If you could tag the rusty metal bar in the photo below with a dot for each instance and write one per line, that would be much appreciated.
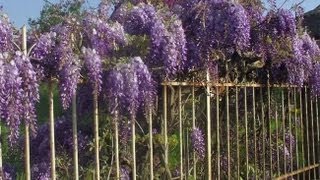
(299, 171)
(237, 130)
(277, 141)
(204, 84)
(270, 129)
(283, 131)
(165, 124)
(193, 127)
(312, 136)
(263, 134)
(116, 122)
(151, 143)
(228, 132)
(218, 132)
(289, 130)
(307, 127)
(134, 158)
(1, 164)
(302, 130)
(318, 134)
(254, 130)
(209, 174)
(180, 133)
(246, 129)
(296, 126)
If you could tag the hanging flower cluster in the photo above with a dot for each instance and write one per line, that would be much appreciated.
(19, 89)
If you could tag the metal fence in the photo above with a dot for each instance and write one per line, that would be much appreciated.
(252, 131)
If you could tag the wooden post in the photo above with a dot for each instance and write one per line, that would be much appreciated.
(75, 137)
(96, 134)
(27, 134)
(51, 124)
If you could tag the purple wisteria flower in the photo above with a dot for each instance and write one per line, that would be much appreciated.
(228, 25)
(314, 80)
(124, 173)
(93, 65)
(282, 23)
(11, 106)
(6, 33)
(115, 90)
(198, 144)
(30, 89)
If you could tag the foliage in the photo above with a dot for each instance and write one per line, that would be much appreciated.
(123, 50)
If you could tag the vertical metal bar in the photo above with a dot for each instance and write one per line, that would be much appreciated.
(1, 167)
(27, 134)
(312, 136)
(185, 147)
(254, 130)
(270, 129)
(134, 159)
(307, 127)
(318, 135)
(180, 135)
(237, 125)
(218, 132)
(246, 129)
(75, 137)
(193, 127)
(296, 126)
(263, 135)
(52, 142)
(290, 132)
(228, 132)
(303, 163)
(208, 128)
(96, 134)
(151, 143)
(116, 124)
(277, 142)
(283, 132)
(165, 128)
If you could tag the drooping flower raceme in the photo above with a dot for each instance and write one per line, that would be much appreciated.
(115, 90)
(167, 42)
(178, 34)
(69, 76)
(42, 53)
(228, 25)
(11, 107)
(130, 90)
(281, 23)
(44, 46)
(6, 34)
(197, 139)
(145, 82)
(66, 63)
(314, 80)
(103, 36)
(299, 65)
(30, 89)
(310, 47)
(93, 64)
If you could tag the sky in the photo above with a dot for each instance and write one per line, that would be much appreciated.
(19, 11)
